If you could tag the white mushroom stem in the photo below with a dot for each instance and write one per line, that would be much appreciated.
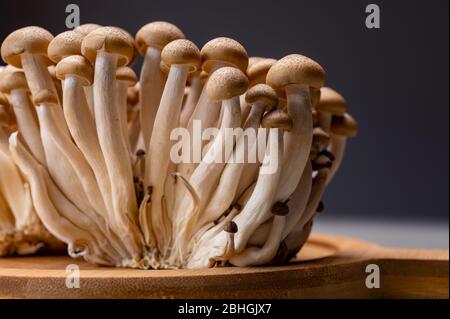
(297, 204)
(230, 179)
(298, 140)
(122, 89)
(27, 123)
(78, 239)
(118, 162)
(206, 175)
(152, 82)
(337, 147)
(134, 132)
(158, 155)
(191, 101)
(89, 94)
(255, 256)
(325, 120)
(258, 209)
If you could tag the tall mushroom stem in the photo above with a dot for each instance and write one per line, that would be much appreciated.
(338, 145)
(191, 101)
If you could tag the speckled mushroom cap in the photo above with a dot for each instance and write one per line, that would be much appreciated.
(277, 119)
(65, 44)
(34, 40)
(157, 35)
(320, 137)
(264, 94)
(331, 102)
(75, 65)
(110, 39)
(344, 125)
(12, 79)
(295, 69)
(126, 74)
(257, 71)
(181, 51)
(224, 50)
(87, 28)
(225, 83)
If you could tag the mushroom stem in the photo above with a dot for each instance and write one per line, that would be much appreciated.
(122, 89)
(111, 140)
(191, 101)
(89, 94)
(338, 145)
(152, 85)
(27, 123)
(158, 155)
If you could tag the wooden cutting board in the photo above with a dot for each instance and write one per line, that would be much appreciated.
(327, 267)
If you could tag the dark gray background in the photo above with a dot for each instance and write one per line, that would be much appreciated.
(395, 80)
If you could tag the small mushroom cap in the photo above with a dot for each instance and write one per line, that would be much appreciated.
(226, 51)
(45, 97)
(253, 59)
(231, 227)
(133, 95)
(331, 102)
(277, 119)
(225, 83)
(75, 65)
(322, 162)
(295, 69)
(12, 79)
(87, 28)
(264, 94)
(181, 51)
(126, 74)
(280, 209)
(320, 137)
(34, 40)
(157, 35)
(344, 125)
(110, 39)
(257, 72)
(65, 44)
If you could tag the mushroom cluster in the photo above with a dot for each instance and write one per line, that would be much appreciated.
(92, 146)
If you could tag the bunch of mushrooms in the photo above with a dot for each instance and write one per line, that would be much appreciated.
(95, 150)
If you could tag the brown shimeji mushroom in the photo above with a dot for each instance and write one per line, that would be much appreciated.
(342, 127)
(150, 40)
(330, 103)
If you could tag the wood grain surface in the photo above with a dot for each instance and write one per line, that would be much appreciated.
(327, 267)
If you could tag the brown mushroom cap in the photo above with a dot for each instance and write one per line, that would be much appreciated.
(65, 44)
(295, 69)
(224, 50)
(45, 96)
(257, 72)
(12, 79)
(126, 74)
(331, 102)
(320, 137)
(277, 119)
(110, 39)
(253, 59)
(157, 35)
(34, 40)
(264, 94)
(133, 95)
(181, 51)
(87, 28)
(75, 65)
(280, 209)
(225, 83)
(231, 227)
(344, 125)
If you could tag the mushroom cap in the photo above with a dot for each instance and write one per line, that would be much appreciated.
(157, 35)
(321, 162)
(225, 83)
(65, 44)
(277, 119)
(75, 65)
(331, 102)
(320, 137)
(257, 72)
(86, 28)
(34, 40)
(13, 79)
(110, 39)
(264, 94)
(344, 125)
(296, 69)
(231, 227)
(45, 96)
(253, 59)
(224, 50)
(133, 95)
(280, 209)
(126, 74)
(181, 51)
